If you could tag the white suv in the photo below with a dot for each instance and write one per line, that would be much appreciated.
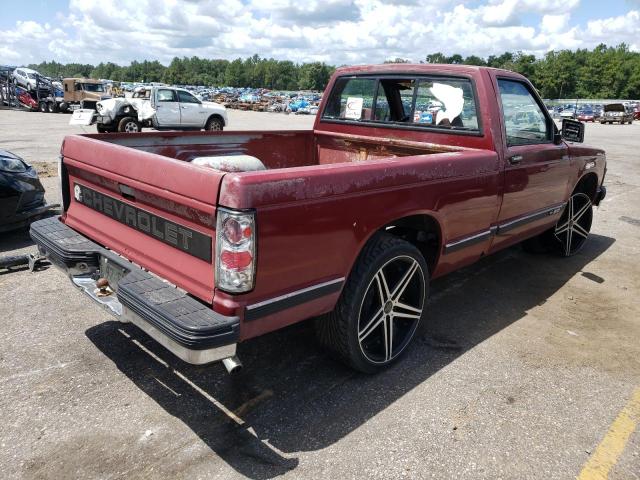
(25, 77)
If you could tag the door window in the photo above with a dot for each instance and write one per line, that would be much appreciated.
(524, 121)
(186, 97)
(166, 96)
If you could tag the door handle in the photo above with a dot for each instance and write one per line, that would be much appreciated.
(183, 107)
(516, 159)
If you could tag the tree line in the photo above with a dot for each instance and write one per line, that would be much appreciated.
(604, 72)
(253, 71)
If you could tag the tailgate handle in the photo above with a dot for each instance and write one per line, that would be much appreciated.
(127, 192)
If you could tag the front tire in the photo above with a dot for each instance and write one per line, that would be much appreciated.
(381, 306)
(572, 229)
(129, 125)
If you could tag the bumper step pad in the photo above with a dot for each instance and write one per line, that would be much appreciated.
(179, 316)
(172, 311)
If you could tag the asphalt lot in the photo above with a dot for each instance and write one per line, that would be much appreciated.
(525, 364)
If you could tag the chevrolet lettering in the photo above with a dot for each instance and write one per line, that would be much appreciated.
(185, 239)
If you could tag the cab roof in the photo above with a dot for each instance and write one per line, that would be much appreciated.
(420, 68)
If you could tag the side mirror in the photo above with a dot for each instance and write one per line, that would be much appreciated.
(572, 130)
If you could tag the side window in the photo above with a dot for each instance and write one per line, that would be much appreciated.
(166, 96)
(446, 103)
(523, 118)
(186, 97)
(351, 99)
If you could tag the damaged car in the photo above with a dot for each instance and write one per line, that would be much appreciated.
(162, 108)
(21, 193)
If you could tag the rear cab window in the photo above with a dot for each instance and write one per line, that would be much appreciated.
(430, 102)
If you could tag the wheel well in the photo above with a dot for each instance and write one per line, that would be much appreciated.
(423, 231)
(121, 112)
(218, 116)
(588, 185)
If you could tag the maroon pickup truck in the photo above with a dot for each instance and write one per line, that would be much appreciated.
(204, 240)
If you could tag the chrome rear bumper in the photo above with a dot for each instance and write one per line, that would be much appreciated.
(183, 325)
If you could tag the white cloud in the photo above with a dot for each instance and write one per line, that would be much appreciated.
(334, 31)
(554, 23)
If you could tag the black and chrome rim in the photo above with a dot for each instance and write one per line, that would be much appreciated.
(215, 126)
(391, 309)
(572, 230)
(131, 127)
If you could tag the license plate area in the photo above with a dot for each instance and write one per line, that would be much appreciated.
(112, 272)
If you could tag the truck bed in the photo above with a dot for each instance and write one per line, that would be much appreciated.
(277, 150)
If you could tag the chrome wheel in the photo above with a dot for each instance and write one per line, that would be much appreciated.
(131, 127)
(215, 125)
(391, 309)
(572, 230)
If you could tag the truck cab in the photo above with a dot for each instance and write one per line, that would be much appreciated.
(83, 92)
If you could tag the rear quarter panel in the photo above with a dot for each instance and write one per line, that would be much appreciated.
(312, 222)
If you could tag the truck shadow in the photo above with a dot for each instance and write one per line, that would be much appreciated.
(291, 396)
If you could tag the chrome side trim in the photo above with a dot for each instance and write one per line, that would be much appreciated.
(503, 227)
(292, 299)
(531, 217)
(468, 241)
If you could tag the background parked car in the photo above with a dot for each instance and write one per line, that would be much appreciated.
(21, 193)
(568, 113)
(616, 112)
(586, 115)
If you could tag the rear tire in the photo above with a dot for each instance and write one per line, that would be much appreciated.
(43, 107)
(129, 125)
(52, 107)
(381, 306)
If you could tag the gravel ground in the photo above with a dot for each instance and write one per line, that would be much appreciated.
(525, 363)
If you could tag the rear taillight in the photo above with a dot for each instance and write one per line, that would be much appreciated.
(235, 250)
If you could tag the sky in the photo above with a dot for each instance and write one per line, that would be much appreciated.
(333, 31)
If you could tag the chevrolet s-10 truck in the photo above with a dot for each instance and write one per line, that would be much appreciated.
(207, 239)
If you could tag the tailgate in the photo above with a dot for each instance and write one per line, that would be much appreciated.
(153, 210)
